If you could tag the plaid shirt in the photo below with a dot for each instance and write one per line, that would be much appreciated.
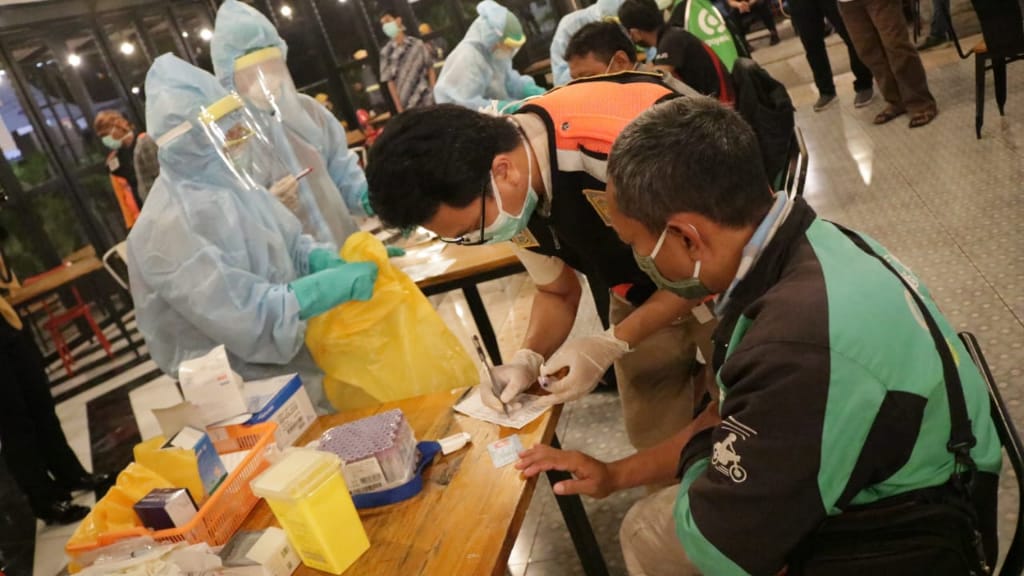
(407, 65)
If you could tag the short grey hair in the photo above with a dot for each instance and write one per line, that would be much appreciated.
(689, 155)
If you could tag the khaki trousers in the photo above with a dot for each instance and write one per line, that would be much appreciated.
(648, 538)
(878, 30)
(656, 380)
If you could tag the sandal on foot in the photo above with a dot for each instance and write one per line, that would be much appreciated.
(922, 118)
(889, 114)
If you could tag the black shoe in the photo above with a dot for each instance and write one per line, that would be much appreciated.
(91, 482)
(65, 512)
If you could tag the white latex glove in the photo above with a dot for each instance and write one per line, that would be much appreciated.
(587, 359)
(513, 378)
(287, 191)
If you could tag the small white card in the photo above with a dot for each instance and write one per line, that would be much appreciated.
(474, 407)
(505, 451)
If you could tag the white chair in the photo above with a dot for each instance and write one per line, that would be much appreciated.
(121, 249)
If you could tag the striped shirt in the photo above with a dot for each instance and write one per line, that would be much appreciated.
(407, 64)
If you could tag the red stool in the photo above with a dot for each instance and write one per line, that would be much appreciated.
(56, 321)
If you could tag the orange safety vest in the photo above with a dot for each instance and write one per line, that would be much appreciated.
(583, 119)
(123, 192)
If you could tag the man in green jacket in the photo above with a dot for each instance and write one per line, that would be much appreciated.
(830, 392)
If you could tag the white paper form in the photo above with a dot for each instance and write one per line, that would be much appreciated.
(474, 407)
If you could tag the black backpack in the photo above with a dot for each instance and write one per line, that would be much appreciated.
(765, 105)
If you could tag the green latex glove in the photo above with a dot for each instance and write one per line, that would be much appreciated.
(395, 251)
(318, 293)
(321, 259)
(535, 90)
(364, 201)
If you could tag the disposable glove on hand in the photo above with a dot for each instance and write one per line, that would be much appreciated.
(364, 201)
(318, 293)
(535, 90)
(512, 378)
(587, 359)
(321, 259)
(395, 251)
(287, 191)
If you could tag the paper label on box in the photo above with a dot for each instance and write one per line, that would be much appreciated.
(365, 474)
(505, 451)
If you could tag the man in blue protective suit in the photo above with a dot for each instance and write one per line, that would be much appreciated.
(478, 73)
(214, 258)
(249, 56)
(569, 25)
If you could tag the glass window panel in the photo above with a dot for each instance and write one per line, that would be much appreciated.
(19, 140)
(196, 31)
(298, 28)
(64, 120)
(361, 78)
(160, 32)
(25, 256)
(88, 66)
(342, 21)
(130, 55)
(438, 14)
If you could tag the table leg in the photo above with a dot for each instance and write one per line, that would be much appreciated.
(108, 306)
(483, 322)
(579, 525)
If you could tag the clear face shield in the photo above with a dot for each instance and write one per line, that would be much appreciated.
(262, 78)
(242, 143)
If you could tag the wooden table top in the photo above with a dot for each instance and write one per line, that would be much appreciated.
(65, 275)
(468, 516)
(463, 261)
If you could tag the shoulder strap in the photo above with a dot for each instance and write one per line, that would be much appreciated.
(961, 437)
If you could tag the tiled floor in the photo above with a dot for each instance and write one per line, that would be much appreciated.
(948, 205)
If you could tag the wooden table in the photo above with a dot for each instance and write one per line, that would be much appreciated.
(64, 276)
(470, 266)
(468, 516)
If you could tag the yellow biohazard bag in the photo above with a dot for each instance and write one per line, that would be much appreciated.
(391, 347)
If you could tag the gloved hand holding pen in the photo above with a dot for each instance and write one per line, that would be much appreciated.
(513, 378)
(585, 360)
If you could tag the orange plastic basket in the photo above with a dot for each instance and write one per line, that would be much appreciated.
(222, 514)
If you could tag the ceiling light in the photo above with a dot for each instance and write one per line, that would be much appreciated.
(74, 59)
(205, 34)
(127, 48)
(286, 11)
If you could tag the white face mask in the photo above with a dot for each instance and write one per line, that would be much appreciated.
(506, 225)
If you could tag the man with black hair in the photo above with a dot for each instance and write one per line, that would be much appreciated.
(537, 178)
(833, 367)
(680, 53)
(406, 66)
(600, 48)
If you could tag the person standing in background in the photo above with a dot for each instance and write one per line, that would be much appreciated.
(760, 8)
(406, 66)
(807, 17)
(118, 135)
(938, 34)
(32, 441)
(878, 30)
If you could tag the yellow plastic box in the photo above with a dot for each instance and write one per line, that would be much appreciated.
(308, 495)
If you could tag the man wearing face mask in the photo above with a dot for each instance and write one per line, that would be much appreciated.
(479, 70)
(838, 378)
(679, 53)
(118, 135)
(249, 57)
(215, 259)
(568, 26)
(537, 178)
(406, 66)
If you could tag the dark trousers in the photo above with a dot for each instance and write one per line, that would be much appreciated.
(761, 10)
(879, 31)
(31, 439)
(808, 17)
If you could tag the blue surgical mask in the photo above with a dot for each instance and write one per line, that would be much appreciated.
(690, 288)
(111, 142)
(391, 29)
(506, 226)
